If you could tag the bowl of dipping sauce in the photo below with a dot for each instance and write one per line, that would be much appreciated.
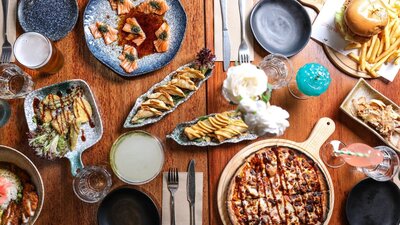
(137, 157)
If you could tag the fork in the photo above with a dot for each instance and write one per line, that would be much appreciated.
(173, 184)
(6, 48)
(244, 52)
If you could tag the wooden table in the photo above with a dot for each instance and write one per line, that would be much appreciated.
(115, 97)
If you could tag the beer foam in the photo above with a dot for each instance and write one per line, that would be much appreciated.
(32, 50)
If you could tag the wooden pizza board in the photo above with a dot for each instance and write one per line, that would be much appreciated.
(321, 132)
(341, 61)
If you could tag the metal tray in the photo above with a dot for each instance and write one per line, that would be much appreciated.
(93, 135)
(143, 98)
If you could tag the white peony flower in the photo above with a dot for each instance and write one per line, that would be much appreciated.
(264, 119)
(244, 81)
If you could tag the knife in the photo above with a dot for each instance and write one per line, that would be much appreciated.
(225, 36)
(191, 189)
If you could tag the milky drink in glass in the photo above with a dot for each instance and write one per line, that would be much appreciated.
(35, 51)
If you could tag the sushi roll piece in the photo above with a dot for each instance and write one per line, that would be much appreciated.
(158, 7)
(145, 112)
(162, 34)
(108, 33)
(136, 33)
(128, 58)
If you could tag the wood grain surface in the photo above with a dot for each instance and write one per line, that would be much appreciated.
(115, 97)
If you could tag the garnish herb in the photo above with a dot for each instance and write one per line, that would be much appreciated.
(103, 28)
(155, 5)
(136, 30)
(163, 36)
(130, 57)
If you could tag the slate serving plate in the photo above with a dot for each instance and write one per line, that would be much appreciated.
(143, 98)
(179, 136)
(100, 10)
(93, 135)
(52, 18)
(363, 89)
(281, 26)
(128, 206)
(373, 202)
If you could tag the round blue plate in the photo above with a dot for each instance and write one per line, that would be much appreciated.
(100, 10)
(52, 18)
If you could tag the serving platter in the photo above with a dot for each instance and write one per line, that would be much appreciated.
(92, 134)
(142, 98)
(100, 10)
(179, 137)
(342, 62)
(321, 132)
(363, 89)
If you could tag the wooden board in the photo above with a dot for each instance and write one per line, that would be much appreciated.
(342, 62)
(321, 132)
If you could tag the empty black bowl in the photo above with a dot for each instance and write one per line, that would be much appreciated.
(128, 206)
(281, 26)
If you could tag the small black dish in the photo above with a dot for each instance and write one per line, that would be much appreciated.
(281, 26)
(372, 202)
(128, 206)
(52, 18)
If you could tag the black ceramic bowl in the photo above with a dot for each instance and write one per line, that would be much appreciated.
(281, 26)
(126, 206)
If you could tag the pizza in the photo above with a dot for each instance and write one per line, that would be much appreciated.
(278, 185)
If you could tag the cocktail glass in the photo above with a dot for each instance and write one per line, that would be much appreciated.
(380, 163)
(278, 69)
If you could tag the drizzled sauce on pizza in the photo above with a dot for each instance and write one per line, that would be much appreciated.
(278, 185)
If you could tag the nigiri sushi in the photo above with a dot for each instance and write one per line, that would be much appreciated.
(162, 42)
(136, 33)
(128, 58)
(108, 33)
(158, 7)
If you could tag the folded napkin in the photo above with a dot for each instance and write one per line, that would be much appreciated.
(324, 30)
(182, 210)
(11, 24)
(233, 18)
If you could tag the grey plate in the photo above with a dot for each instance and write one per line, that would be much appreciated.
(100, 10)
(52, 18)
(143, 98)
(180, 138)
(363, 89)
(93, 135)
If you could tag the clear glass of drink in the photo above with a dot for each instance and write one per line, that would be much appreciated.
(35, 51)
(387, 169)
(278, 68)
(14, 83)
(92, 184)
(5, 112)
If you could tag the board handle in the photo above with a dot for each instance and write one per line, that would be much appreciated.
(320, 133)
(75, 160)
(314, 4)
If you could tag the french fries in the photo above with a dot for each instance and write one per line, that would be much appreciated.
(381, 48)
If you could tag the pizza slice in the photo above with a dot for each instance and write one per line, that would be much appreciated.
(309, 173)
(314, 205)
(237, 213)
(299, 206)
(244, 184)
(251, 207)
(287, 169)
(290, 212)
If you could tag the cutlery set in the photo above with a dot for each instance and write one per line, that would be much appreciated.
(173, 185)
(243, 52)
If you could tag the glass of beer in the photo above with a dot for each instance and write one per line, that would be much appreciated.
(35, 51)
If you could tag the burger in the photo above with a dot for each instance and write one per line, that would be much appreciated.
(359, 20)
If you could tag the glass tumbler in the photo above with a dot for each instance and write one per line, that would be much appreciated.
(92, 184)
(14, 83)
(278, 69)
(387, 169)
(35, 51)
